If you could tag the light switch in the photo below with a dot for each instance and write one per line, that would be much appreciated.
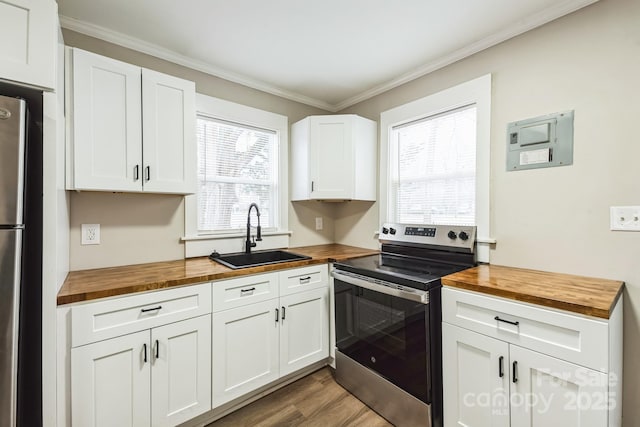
(625, 218)
(319, 223)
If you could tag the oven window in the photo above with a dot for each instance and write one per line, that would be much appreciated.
(387, 334)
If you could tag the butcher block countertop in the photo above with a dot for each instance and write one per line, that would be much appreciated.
(87, 285)
(584, 295)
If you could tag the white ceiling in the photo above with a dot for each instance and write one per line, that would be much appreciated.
(327, 53)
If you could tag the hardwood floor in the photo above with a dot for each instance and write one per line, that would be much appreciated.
(315, 400)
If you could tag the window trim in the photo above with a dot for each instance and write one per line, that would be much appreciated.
(201, 244)
(476, 91)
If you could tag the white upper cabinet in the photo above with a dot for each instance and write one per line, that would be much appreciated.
(131, 129)
(28, 39)
(106, 149)
(334, 158)
(168, 133)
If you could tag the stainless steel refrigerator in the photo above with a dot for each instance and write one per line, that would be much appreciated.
(13, 137)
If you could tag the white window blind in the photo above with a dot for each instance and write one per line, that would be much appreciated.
(432, 169)
(237, 166)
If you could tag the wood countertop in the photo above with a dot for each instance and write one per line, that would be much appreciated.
(578, 294)
(87, 285)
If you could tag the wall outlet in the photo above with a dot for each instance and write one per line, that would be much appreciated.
(90, 234)
(318, 223)
(625, 218)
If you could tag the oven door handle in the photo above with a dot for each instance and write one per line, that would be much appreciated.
(416, 295)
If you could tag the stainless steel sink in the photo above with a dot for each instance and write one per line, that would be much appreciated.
(255, 259)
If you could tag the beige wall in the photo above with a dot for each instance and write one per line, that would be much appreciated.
(557, 219)
(139, 228)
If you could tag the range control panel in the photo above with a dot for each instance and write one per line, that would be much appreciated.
(453, 237)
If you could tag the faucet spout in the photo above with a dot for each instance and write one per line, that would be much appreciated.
(248, 244)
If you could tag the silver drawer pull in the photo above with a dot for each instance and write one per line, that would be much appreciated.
(147, 310)
(242, 291)
(305, 279)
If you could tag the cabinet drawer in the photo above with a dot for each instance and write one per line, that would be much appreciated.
(303, 279)
(98, 321)
(566, 336)
(244, 290)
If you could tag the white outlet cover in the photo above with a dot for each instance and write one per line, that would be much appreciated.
(625, 218)
(319, 223)
(90, 234)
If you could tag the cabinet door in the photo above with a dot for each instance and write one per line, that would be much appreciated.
(304, 329)
(245, 349)
(475, 379)
(181, 371)
(551, 392)
(110, 382)
(331, 160)
(169, 139)
(28, 38)
(107, 132)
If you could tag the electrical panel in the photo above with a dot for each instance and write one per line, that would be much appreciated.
(540, 142)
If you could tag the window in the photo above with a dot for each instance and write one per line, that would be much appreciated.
(434, 160)
(237, 166)
(242, 159)
(432, 169)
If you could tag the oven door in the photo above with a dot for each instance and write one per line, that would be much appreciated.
(385, 329)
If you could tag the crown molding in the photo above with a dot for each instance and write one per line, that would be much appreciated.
(556, 11)
(124, 40)
(534, 21)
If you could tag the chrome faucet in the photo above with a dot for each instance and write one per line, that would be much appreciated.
(248, 244)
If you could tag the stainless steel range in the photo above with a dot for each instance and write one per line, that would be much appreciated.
(388, 319)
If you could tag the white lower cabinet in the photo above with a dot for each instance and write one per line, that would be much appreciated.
(180, 371)
(546, 391)
(304, 329)
(158, 377)
(245, 350)
(142, 360)
(260, 342)
(110, 382)
(490, 379)
(475, 379)
(488, 382)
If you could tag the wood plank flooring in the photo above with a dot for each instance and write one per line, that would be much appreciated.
(315, 400)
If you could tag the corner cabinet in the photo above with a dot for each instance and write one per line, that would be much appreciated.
(28, 42)
(507, 363)
(267, 326)
(130, 129)
(334, 158)
(142, 360)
